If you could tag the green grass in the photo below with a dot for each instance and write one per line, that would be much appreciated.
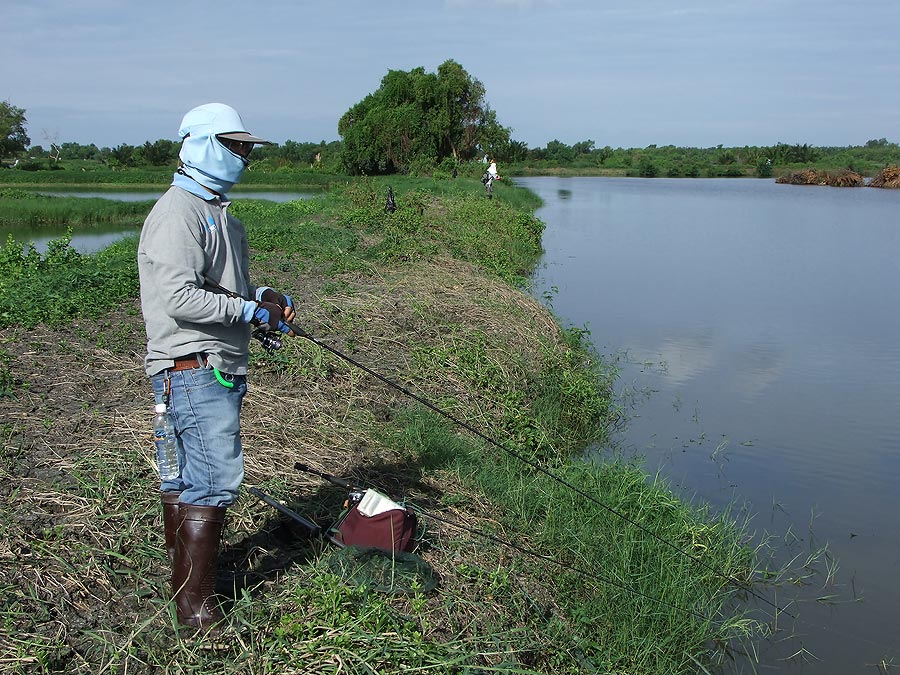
(19, 208)
(62, 284)
(620, 601)
(90, 173)
(627, 602)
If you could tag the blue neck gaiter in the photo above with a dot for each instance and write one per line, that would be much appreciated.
(210, 163)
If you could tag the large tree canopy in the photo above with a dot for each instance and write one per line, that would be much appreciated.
(418, 119)
(13, 138)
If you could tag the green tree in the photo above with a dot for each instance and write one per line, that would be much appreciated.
(559, 152)
(158, 153)
(516, 152)
(583, 147)
(13, 138)
(603, 154)
(647, 169)
(418, 119)
(122, 155)
(75, 151)
(764, 167)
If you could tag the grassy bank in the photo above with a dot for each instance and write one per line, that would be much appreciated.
(541, 579)
(21, 208)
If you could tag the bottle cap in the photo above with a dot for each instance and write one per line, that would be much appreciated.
(160, 407)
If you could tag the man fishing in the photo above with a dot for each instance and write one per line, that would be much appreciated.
(492, 175)
(198, 304)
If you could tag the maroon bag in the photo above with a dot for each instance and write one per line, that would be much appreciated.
(376, 521)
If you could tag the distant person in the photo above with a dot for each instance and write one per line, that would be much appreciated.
(492, 175)
(198, 304)
(492, 169)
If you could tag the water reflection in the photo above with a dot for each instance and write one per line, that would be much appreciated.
(686, 357)
(766, 315)
(117, 196)
(85, 243)
(153, 195)
(757, 368)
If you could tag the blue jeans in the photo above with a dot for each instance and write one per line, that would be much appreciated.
(207, 417)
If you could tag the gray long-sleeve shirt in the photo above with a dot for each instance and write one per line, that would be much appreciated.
(187, 244)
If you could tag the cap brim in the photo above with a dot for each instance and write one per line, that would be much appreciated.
(245, 137)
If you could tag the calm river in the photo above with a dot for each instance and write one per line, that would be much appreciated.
(757, 331)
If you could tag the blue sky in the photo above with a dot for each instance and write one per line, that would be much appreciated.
(621, 73)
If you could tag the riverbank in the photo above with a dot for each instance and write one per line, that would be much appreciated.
(427, 296)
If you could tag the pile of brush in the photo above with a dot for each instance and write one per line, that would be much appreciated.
(845, 178)
(888, 178)
(805, 177)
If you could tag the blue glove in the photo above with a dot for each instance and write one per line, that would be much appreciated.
(268, 294)
(268, 315)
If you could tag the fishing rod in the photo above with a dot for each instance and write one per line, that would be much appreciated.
(592, 575)
(537, 467)
(271, 341)
(311, 528)
(260, 335)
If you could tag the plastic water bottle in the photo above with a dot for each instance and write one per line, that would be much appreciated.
(166, 445)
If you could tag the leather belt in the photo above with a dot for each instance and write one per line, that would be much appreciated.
(189, 362)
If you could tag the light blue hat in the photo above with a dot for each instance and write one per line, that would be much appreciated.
(203, 156)
(217, 119)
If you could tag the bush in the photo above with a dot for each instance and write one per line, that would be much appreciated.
(764, 167)
(37, 165)
(647, 169)
(62, 283)
(421, 166)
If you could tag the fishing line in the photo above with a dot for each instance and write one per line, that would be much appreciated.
(590, 575)
(537, 467)
(779, 610)
(534, 465)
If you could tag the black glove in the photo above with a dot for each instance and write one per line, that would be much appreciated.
(267, 294)
(268, 314)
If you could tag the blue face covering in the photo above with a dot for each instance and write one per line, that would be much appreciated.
(210, 163)
(205, 159)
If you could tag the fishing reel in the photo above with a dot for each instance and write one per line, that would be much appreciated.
(270, 339)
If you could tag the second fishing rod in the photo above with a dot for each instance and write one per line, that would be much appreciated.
(271, 343)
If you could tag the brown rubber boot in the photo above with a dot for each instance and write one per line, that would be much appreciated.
(170, 520)
(196, 562)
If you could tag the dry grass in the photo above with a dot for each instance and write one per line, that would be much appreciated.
(889, 177)
(82, 553)
(845, 178)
